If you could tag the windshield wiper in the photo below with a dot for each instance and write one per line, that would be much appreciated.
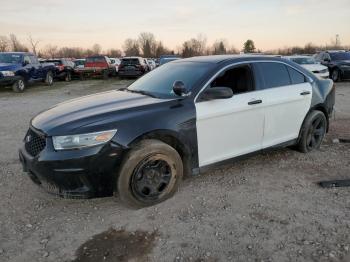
(142, 92)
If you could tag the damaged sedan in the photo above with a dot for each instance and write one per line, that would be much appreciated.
(180, 119)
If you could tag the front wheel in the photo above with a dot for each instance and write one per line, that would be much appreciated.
(68, 77)
(49, 78)
(19, 85)
(313, 132)
(149, 174)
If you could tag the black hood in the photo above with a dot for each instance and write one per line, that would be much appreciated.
(81, 114)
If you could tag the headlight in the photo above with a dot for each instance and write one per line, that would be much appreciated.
(82, 140)
(7, 73)
(324, 71)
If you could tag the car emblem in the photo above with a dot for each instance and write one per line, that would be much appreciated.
(28, 138)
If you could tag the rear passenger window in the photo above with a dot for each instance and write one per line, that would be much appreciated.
(295, 76)
(274, 74)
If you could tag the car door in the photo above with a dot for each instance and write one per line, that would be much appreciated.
(29, 68)
(36, 68)
(227, 128)
(286, 100)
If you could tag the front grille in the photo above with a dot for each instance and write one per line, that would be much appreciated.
(34, 142)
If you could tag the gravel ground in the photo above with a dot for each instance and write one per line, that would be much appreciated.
(265, 208)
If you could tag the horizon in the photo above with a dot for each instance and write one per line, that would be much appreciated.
(270, 24)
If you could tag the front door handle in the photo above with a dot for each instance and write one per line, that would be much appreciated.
(255, 102)
(305, 93)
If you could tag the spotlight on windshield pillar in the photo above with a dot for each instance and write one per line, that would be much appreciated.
(180, 89)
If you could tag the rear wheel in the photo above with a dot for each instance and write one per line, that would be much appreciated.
(19, 85)
(149, 174)
(335, 75)
(313, 132)
(49, 78)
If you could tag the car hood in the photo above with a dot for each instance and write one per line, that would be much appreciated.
(314, 67)
(344, 62)
(86, 114)
(8, 67)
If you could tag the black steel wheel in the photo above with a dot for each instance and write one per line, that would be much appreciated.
(313, 131)
(150, 173)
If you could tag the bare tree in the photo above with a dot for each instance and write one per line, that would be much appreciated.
(219, 47)
(147, 43)
(16, 45)
(4, 43)
(131, 47)
(96, 49)
(50, 51)
(34, 44)
(114, 53)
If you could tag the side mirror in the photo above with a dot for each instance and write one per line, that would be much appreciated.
(217, 93)
(180, 89)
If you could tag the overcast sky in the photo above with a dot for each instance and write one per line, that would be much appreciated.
(270, 23)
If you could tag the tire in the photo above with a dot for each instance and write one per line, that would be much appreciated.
(68, 77)
(335, 75)
(149, 174)
(313, 131)
(49, 78)
(19, 85)
(105, 74)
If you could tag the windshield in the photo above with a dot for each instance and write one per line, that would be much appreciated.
(130, 61)
(304, 60)
(340, 56)
(159, 82)
(10, 58)
(96, 59)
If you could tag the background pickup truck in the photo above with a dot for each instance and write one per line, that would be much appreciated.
(96, 66)
(18, 69)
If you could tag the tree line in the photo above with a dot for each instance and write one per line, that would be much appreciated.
(147, 45)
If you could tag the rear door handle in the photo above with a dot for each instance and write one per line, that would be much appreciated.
(305, 93)
(255, 102)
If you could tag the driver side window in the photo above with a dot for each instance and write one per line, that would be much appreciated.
(240, 79)
(26, 60)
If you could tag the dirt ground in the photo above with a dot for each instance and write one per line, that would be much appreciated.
(266, 208)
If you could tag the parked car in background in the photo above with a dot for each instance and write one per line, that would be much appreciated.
(151, 63)
(310, 64)
(96, 66)
(115, 62)
(167, 58)
(18, 69)
(180, 119)
(79, 63)
(132, 67)
(64, 68)
(338, 63)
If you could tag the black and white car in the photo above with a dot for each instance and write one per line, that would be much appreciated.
(180, 119)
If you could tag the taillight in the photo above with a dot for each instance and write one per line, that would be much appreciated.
(60, 67)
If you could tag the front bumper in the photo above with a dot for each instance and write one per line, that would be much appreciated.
(131, 73)
(8, 80)
(84, 173)
(323, 75)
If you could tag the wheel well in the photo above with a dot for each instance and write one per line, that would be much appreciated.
(172, 141)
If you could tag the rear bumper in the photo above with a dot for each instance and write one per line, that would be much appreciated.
(130, 73)
(84, 173)
(8, 80)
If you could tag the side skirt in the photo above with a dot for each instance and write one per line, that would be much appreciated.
(203, 169)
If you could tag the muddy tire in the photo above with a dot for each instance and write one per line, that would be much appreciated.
(313, 132)
(19, 85)
(335, 75)
(49, 78)
(150, 173)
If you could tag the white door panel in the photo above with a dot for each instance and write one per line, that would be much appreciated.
(285, 109)
(229, 127)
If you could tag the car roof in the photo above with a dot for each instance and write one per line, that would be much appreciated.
(296, 56)
(218, 59)
(19, 53)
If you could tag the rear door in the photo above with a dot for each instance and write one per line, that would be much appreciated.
(286, 99)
